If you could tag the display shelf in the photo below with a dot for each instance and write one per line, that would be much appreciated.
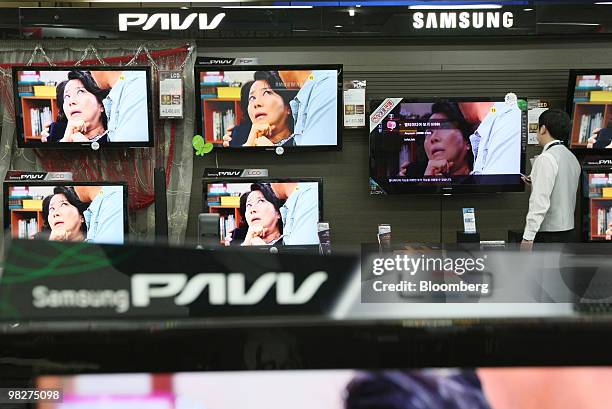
(35, 102)
(224, 212)
(596, 205)
(25, 214)
(590, 109)
(220, 105)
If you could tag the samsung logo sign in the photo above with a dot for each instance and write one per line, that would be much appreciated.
(168, 21)
(462, 20)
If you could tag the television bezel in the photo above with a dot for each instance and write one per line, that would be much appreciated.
(569, 107)
(437, 189)
(6, 184)
(209, 180)
(339, 68)
(21, 143)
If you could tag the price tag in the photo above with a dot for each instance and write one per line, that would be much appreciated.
(535, 109)
(170, 94)
(354, 104)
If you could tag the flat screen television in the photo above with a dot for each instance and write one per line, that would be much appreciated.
(83, 107)
(264, 107)
(266, 212)
(431, 388)
(75, 211)
(589, 103)
(597, 201)
(459, 145)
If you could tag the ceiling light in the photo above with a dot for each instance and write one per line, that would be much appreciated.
(357, 5)
(457, 7)
(267, 7)
(570, 24)
(527, 9)
(337, 26)
(604, 3)
(170, 1)
(352, 12)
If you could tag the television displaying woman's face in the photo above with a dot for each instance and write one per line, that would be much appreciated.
(261, 212)
(445, 142)
(265, 105)
(81, 104)
(63, 215)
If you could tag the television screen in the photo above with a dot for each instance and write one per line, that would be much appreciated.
(446, 146)
(597, 204)
(76, 211)
(589, 103)
(270, 106)
(430, 388)
(75, 107)
(265, 212)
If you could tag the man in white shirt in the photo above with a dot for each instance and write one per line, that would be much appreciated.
(126, 105)
(554, 179)
(496, 144)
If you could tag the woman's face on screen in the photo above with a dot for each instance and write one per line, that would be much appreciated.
(261, 212)
(64, 216)
(446, 141)
(81, 104)
(265, 105)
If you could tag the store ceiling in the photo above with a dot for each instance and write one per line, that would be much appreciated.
(346, 21)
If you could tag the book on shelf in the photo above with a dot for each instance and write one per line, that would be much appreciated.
(39, 117)
(27, 228)
(588, 123)
(19, 191)
(601, 96)
(604, 218)
(222, 120)
(17, 202)
(230, 200)
(227, 224)
(588, 82)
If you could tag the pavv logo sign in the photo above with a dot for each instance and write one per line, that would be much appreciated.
(230, 289)
(168, 21)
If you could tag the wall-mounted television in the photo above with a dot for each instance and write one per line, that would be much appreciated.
(589, 103)
(597, 200)
(459, 145)
(66, 211)
(265, 107)
(82, 107)
(266, 212)
(431, 388)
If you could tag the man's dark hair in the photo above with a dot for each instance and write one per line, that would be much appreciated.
(71, 197)
(244, 102)
(268, 194)
(59, 96)
(557, 123)
(242, 209)
(415, 390)
(91, 86)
